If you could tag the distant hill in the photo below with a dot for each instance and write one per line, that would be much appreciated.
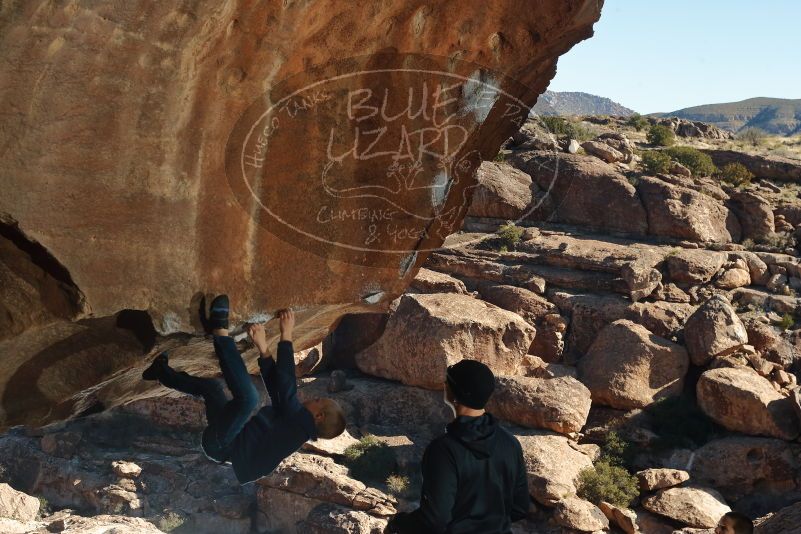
(573, 103)
(779, 116)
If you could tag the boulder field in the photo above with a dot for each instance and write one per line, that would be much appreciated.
(644, 327)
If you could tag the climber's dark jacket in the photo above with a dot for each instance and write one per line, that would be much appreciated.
(275, 431)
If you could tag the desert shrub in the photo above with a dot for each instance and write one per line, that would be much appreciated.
(561, 126)
(372, 461)
(655, 161)
(679, 422)
(607, 482)
(616, 450)
(752, 136)
(637, 121)
(500, 156)
(398, 484)
(660, 135)
(788, 320)
(509, 235)
(736, 174)
(44, 507)
(699, 163)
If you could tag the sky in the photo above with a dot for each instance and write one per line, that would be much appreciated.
(655, 56)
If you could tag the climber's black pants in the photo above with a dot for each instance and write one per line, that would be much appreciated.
(226, 418)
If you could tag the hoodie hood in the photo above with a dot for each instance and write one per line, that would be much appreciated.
(477, 434)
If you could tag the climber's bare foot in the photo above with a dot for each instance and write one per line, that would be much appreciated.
(258, 336)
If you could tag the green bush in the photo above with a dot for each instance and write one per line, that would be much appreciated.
(655, 161)
(617, 451)
(679, 422)
(607, 482)
(510, 235)
(560, 126)
(372, 461)
(752, 136)
(500, 156)
(788, 320)
(699, 163)
(736, 174)
(660, 135)
(637, 121)
(398, 484)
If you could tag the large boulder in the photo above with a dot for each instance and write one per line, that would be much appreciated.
(603, 151)
(739, 466)
(579, 514)
(503, 192)
(692, 506)
(560, 404)
(694, 266)
(426, 333)
(524, 302)
(550, 327)
(629, 367)
(713, 330)
(770, 344)
(17, 505)
(739, 399)
(785, 521)
(428, 281)
(334, 519)
(179, 169)
(582, 190)
(590, 313)
(656, 479)
(755, 214)
(683, 213)
(304, 481)
(553, 465)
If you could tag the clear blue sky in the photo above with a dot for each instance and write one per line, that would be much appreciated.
(662, 56)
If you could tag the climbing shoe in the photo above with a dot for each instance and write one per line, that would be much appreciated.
(156, 368)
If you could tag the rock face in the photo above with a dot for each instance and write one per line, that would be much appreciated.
(426, 333)
(695, 507)
(713, 330)
(173, 138)
(741, 400)
(629, 367)
(560, 404)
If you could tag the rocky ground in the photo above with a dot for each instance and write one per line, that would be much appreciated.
(648, 317)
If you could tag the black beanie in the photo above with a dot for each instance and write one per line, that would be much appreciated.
(471, 383)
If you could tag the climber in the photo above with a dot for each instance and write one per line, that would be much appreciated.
(734, 523)
(474, 476)
(253, 445)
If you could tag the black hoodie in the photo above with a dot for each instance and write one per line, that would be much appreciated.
(474, 481)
